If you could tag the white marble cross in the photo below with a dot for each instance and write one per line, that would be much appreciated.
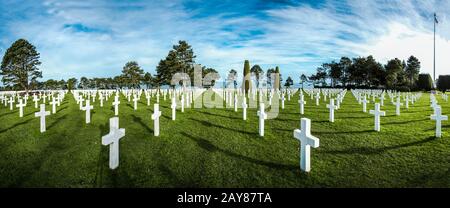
(11, 102)
(88, 109)
(235, 102)
(397, 106)
(317, 99)
(282, 101)
(116, 105)
(407, 102)
(155, 116)
(174, 108)
(148, 100)
(182, 103)
(438, 117)
(306, 141)
(332, 107)
(302, 103)
(80, 100)
(53, 103)
(20, 106)
(112, 139)
(36, 100)
(135, 99)
(377, 113)
(365, 101)
(42, 113)
(244, 108)
(262, 116)
(101, 99)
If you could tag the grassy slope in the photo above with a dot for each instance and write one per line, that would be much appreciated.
(216, 148)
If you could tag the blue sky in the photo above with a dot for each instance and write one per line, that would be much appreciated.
(96, 38)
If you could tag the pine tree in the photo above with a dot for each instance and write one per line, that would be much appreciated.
(246, 84)
(133, 74)
(19, 66)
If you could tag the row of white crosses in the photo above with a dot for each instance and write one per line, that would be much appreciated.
(437, 116)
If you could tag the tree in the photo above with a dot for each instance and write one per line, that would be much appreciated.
(303, 79)
(412, 71)
(258, 72)
(133, 74)
(276, 84)
(232, 77)
(212, 77)
(180, 59)
(289, 82)
(269, 76)
(375, 72)
(425, 82)
(335, 72)
(20, 65)
(393, 71)
(443, 83)
(246, 84)
(321, 75)
(147, 80)
(345, 63)
(84, 82)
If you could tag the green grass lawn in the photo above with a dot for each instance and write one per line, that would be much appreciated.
(216, 148)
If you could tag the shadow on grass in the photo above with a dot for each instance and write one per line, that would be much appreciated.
(61, 109)
(13, 111)
(209, 124)
(102, 157)
(212, 114)
(345, 132)
(208, 146)
(57, 121)
(16, 125)
(372, 151)
(140, 122)
(406, 122)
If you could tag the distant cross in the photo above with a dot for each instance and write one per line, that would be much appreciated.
(306, 141)
(148, 100)
(302, 103)
(174, 108)
(317, 99)
(438, 117)
(235, 102)
(377, 113)
(53, 103)
(42, 113)
(135, 99)
(88, 109)
(112, 139)
(11, 102)
(155, 116)
(407, 102)
(397, 106)
(182, 103)
(262, 116)
(44, 98)
(282, 101)
(20, 106)
(80, 99)
(332, 107)
(116, 105)
(382, 99)
(157, 97)
(36, 100)
(244, 108)
(101, 98)
(365, 101)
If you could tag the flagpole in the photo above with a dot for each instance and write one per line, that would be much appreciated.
(434, 48)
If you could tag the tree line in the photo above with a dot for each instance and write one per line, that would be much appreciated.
(366, 72)
(20, 71)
